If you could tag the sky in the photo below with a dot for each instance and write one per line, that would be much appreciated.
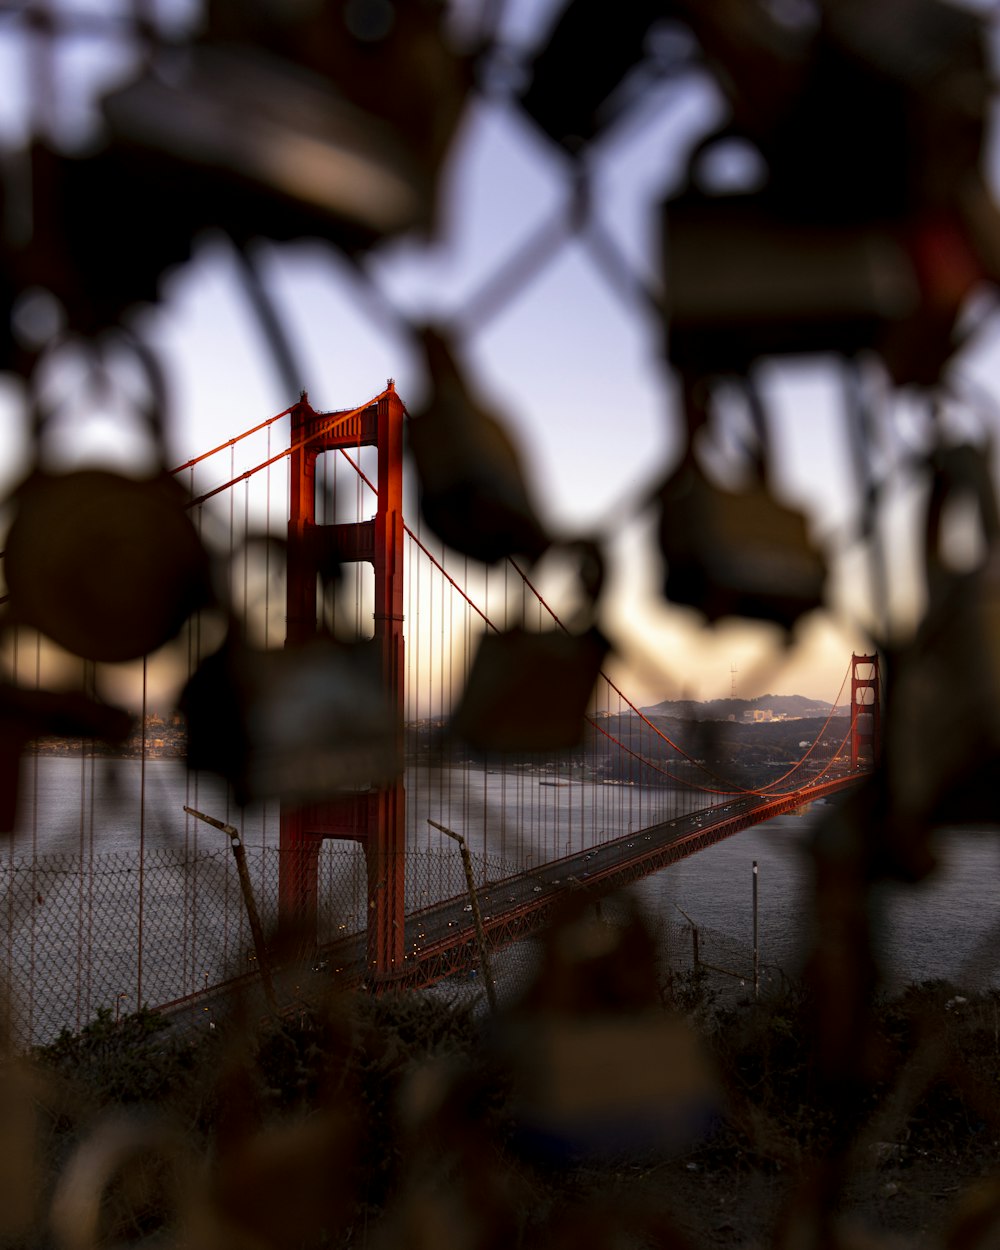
(577, 372)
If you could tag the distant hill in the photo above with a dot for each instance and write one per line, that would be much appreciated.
(790, 706)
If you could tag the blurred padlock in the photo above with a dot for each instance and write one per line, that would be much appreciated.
(869, 112)
(942, 723)
(735, 552)
(473, 492)
(107, 565)
(530, 691)
(909, 91)
(300, 724)
(743, 283)
(227, 136)
(259, 146)
(599, 1069)
(88, 231)
(391, 61)
(870, 126)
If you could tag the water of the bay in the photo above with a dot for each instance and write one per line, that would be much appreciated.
(946, 927)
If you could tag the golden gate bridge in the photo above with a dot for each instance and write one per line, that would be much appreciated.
(361, 877)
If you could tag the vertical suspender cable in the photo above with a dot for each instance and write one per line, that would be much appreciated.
(267, 634)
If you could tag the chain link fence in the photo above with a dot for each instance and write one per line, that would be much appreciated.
(124, 930)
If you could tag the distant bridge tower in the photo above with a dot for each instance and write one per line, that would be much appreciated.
(865, 710)
(375, 818)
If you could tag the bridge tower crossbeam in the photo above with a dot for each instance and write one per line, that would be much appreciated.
(374, 818)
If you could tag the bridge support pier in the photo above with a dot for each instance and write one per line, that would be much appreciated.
(376, 819)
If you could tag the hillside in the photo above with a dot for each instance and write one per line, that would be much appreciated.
(791, 706)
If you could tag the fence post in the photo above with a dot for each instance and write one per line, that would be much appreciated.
(695, 959)
(756, 948)
(477, 919)
(260, 947)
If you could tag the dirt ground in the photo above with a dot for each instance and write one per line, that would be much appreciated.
(916, 1207)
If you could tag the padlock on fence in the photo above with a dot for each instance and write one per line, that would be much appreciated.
(285, 120)
(107, 565)
(397, 63)
(243, 141)
(300, 724)
(743, 282)
(529, 691)
(735, 552)
(942, 722)
(597, 1068)
(473, 491)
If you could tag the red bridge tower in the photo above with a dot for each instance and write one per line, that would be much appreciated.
(865, 711)
(375, 818)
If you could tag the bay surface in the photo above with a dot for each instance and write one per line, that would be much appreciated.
(945, 927)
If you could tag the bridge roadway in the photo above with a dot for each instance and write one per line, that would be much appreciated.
(440, 939)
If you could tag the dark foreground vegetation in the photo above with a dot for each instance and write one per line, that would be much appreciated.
(409, 1121)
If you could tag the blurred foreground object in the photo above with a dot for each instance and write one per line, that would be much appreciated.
(391, 59)
(600, 1071)
(107, 565)
(29, 714)
(587, 54)
(873, 223)
(734, 552)
(529, 691)
(279, 121)
(473, 492)
(301, 723)
(942, 749)
(261, 147)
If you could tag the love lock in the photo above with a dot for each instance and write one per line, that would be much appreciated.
(529, 691)
(300, 724)
(106, 565)
(249, 143)
(744, 282)
(735, 552)
(283, 120)
(394, 60)
(473, 493)
(942, 724)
